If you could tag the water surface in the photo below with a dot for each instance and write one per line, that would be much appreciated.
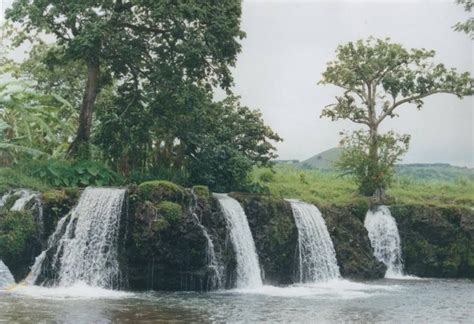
(398, 301)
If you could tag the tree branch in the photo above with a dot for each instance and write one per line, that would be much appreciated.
(390, 110)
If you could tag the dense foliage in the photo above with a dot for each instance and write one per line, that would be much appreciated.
(33, 123)
(147, 70)
(147, 45)
(184, 136)
(377, 77)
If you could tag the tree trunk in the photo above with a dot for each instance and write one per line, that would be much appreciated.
(372, 184)
(78, 146)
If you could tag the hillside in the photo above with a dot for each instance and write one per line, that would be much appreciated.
(420, 171)
(323, 160)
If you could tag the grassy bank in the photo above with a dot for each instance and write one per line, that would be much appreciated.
(314, 186)
(324, 188)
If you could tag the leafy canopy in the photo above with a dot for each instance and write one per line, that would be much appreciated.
(147, 45)
(467, 26)
(197, 40)
(377, 78)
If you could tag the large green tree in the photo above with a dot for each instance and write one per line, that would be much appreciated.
(378, 78)
(139, 42)
(181, 134)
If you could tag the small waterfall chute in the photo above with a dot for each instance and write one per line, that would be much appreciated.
(6, 278)
(24, 197)
(86, 241)
(385, 239)
(248, 268)
(317, 257)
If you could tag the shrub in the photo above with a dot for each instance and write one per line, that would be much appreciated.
(267, 176)
(59, 173)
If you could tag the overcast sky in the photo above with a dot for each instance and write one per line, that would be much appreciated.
(289, 42)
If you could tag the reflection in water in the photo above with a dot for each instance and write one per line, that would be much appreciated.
(340, 301)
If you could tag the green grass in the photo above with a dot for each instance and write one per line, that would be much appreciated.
(325, 188)
(14, 178)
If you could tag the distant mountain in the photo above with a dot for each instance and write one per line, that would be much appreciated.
(420, 171)
(434, 171)
(324, 160)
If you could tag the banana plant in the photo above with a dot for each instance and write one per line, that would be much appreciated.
(33, 123)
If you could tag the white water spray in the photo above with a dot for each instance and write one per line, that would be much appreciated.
(88, 248)
(385, 240)
(317, 257)
(6, 278)
(24, 197)
(248, 269)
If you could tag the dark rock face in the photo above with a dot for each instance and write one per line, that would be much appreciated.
(18, 241)
(354, 253)
(275, 234)
(163, 246)
(166, 249)
(29, 232)
(436, 242)
(56, 205)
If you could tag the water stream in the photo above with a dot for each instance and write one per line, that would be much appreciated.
(317, 257)
(385, 240)
(248, 268)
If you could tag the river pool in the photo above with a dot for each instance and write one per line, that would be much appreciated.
(400, 301)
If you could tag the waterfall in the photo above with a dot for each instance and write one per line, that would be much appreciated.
(86, 241)
(385, 240)
(6, 278)
(213, 263)
(248, 269)
(24, 197)
(317, 257)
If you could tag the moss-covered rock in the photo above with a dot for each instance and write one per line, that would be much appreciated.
(18, 242)
(170, 211)
(275, 234)
(166, 249)
(202, 191)
(56, 204)
(354, 253)
(158, 190)
(436, 241)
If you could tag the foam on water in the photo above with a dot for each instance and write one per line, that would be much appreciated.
(79, 290)
(332, 289)
(6, 278)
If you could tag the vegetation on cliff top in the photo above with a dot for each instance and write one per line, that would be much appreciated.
(326, 188)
